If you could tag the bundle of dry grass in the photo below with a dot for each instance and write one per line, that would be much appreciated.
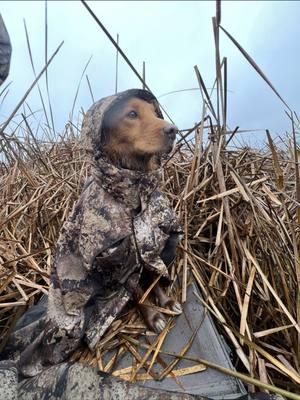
(238, 210)
(241, 244)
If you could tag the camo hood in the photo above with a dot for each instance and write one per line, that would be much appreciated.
(123, 184)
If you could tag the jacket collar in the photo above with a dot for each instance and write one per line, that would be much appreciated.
(132, 188)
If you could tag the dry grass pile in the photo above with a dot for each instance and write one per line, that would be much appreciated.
(238, 211)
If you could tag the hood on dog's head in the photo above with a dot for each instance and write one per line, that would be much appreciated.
(93, 121)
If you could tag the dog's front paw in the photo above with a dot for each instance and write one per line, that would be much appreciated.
(175, 307)
(165, 301)
(159, 323)
(154, 319)
(171, 304)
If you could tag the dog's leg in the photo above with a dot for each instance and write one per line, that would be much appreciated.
(165, 301)
(153, 319)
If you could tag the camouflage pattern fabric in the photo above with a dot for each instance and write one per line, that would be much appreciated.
(76, 381)
(5, 51)
(119, 226)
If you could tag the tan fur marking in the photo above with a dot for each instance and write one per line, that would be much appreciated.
(136, 143)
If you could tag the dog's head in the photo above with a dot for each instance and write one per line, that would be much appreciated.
(134, 133)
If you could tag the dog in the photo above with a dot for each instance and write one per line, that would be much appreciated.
(121, 235)
(135, 138)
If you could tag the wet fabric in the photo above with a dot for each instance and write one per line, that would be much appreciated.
(121, 225)
(5, 51)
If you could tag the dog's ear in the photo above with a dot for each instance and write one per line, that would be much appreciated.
(106, 127)
(109, 121)
(104, 133)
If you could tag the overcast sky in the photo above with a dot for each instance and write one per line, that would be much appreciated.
(171, 37)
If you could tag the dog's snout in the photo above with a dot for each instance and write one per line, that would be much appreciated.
(171, 131)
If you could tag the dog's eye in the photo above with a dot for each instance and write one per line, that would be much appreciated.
(132, 114)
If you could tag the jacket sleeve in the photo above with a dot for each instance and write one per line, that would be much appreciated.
(69, 275)
(5, 51)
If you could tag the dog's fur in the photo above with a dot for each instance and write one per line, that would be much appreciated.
(134, 137)
(135, 142)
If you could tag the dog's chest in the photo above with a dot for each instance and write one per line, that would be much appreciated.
(114, 241)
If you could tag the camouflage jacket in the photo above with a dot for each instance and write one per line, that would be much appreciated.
(5, 51)
(120, 224)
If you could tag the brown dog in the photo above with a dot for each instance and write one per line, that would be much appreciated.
(134, 137)
(121, 234)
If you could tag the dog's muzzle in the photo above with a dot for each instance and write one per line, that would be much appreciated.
(171, 131)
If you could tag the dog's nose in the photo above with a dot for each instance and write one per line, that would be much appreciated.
(171, 131)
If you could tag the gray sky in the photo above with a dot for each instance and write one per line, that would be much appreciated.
(171, 37)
